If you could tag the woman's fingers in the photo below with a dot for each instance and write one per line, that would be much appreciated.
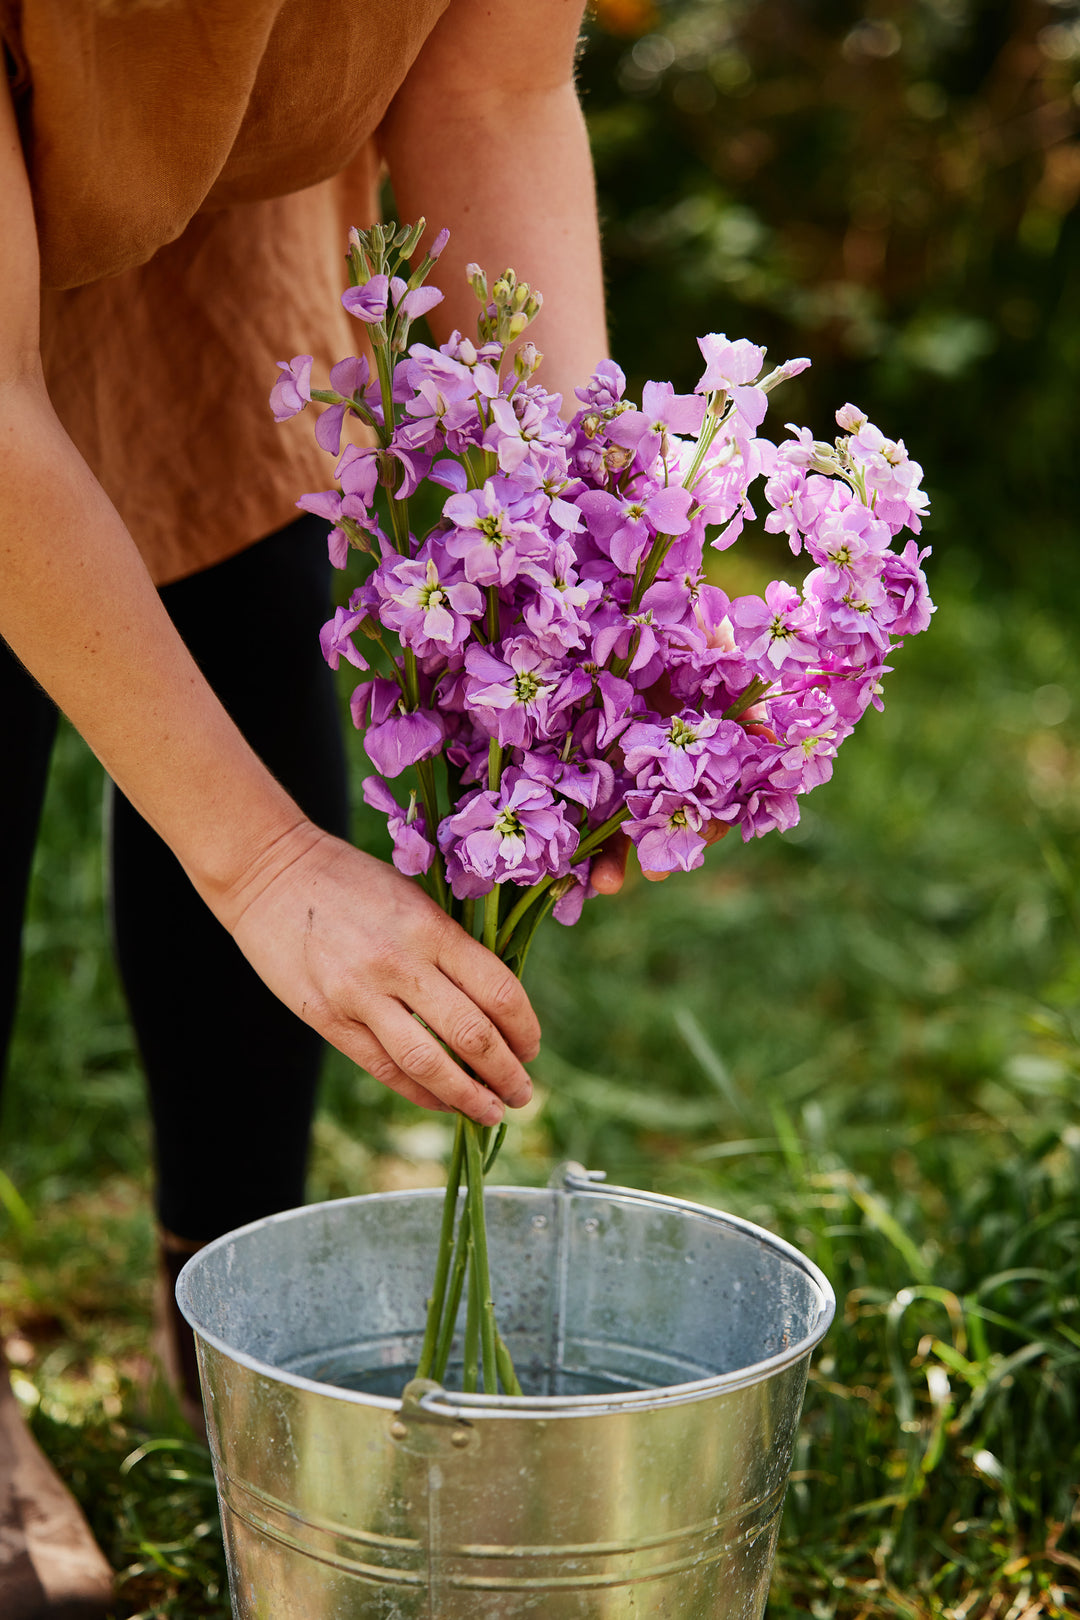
(405, 1048)
(367, 1053)
(361, 954)
(609, 866)
(509, 1026)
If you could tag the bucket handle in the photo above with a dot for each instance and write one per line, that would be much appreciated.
(573, 1177)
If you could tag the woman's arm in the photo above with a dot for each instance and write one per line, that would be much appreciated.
(345, 941)
(486, 136)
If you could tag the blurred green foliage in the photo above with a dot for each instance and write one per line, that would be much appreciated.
(888, 187)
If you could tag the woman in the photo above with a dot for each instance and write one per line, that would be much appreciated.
(176, 188)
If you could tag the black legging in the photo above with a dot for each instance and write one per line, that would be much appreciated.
(231, 1072)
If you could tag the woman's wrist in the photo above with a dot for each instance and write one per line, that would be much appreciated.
(233, 876)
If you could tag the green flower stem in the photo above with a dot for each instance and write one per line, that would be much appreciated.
(399, 510)
(648, 571)
(493, 1151)
(746, 699)
(507, 1374)
(522, 906)
(470, 1370)
(493, 624)
(495, 763)
(619, 666)
(412, 679)
(328, 396)
(598, 835)
(386, 389)
(430, 794)
(715, 417)
(586, 847)
(522, 940)
(395, 673)
(453, 1298)
(446, 1246)
(491, 919)
(480, 1299)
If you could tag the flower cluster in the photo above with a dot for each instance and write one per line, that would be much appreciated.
(558, 638)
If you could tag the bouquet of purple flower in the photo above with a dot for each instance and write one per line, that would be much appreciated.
(552, 658)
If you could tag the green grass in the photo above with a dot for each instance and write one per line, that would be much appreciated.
(863, 1035)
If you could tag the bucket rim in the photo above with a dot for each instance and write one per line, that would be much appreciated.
(449, 1403)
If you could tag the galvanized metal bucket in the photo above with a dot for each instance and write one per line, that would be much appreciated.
(663, 1348)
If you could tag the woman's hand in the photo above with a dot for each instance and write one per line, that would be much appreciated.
(361, 954)
(609, 868)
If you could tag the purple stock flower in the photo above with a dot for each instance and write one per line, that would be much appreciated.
(394, 739)
(619, 704)
(358, 473)
(626, 526)
(891, 478)
(523, 425)
(522, 694)
(441, 412)
(518, 834)
(679, 752)
(606, 387)
(402, 740)
(778, 630)
(905, 585)
(413, 850)
(335, 637)
(562, 607)
(586, 780)
(429, 603)
(768, 808)
(556, 612)
(663, 412)
(812, 732)
(849, 538)
(349, 377)
(368, 303)
(292, 391)
(414, 303)
(850, 608)
(731, 368)
(494, 531)
(667, 829)
(797, 502)
(568, 907)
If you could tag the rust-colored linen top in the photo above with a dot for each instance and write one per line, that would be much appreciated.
(195, 167)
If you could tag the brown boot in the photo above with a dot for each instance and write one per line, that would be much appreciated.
(173, 1340)
(50, 1566)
